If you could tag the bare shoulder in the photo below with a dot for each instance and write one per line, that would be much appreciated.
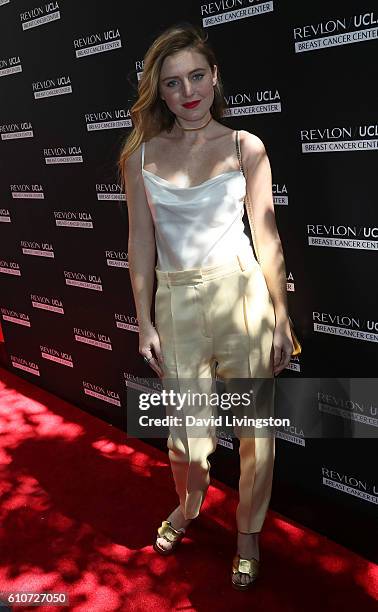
(133, 172)
(157, 143)
(252, 150)
(251, 144)
(133, 162)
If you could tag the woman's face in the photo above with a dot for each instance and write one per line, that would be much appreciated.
(186, 77)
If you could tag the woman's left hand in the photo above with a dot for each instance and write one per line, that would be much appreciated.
(282, 345)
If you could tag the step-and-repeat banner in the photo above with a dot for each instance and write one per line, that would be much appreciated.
(302, 77)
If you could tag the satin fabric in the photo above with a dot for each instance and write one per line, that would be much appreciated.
(197, 226)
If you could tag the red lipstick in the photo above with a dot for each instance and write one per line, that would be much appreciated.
(192, 104)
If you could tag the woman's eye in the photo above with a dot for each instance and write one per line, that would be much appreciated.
(194, 76)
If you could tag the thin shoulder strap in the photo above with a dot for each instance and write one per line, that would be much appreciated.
(246, 200)
(142, 148)
(238, 151)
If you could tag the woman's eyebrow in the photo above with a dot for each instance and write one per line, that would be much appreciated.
(176, 77)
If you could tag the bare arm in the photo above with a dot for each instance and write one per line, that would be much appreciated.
(141, 244)
(268, 243)
(269, 247)
(141, 252)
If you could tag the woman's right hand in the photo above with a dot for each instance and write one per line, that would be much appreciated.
(149, 346)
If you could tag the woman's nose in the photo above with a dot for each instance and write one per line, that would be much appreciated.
(188, 88)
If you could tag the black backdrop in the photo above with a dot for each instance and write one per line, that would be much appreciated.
(302, 77)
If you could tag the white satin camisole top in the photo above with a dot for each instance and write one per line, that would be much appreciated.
(197, 226)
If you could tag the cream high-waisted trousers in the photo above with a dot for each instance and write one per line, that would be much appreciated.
(220, 314)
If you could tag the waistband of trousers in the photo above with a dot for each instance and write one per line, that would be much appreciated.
(200, 275)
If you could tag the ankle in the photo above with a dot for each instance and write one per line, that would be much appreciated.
(248, 545)
(177, 519)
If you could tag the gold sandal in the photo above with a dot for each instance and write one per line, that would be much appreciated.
(169, 533)
(244, 566)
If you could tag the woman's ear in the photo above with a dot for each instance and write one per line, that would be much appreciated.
(215, 74)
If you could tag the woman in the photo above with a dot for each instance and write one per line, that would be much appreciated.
(214, 305)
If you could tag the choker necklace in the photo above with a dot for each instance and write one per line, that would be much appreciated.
(193, 129)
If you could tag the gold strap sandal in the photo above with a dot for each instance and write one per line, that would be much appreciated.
(244, 566)
(169, 533)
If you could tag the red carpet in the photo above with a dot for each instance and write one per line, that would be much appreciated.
(80, 504)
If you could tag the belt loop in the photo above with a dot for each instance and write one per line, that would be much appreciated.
(241, 263)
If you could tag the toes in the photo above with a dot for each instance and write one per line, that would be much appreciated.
(162, 542)
(241, 578)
